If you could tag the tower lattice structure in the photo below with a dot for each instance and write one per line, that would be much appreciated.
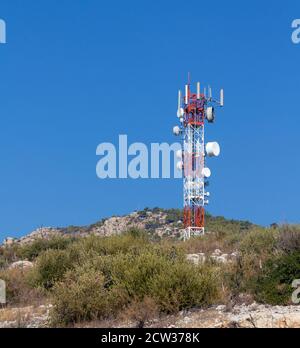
(194, 109)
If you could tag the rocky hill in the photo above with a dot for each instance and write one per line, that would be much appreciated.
(157, 222)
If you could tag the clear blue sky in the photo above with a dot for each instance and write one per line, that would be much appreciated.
(76, 73)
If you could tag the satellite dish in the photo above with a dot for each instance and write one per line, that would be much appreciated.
(212, 149)
(206, 172)
(210, 114)
(179, 154)
(179, 165)
(176, 130)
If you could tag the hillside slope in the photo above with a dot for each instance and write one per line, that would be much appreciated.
(157, 222)
(135, 270)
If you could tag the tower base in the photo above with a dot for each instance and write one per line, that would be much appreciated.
(193, 232)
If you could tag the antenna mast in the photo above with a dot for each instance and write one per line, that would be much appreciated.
(193, 110)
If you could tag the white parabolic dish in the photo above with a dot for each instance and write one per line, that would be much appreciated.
(206, 172)
(176, 130)
(212, 149)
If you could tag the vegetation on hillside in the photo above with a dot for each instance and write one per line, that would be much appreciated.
(95, 278)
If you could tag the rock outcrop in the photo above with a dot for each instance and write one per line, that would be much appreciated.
(21, 265)
(216, 256)
(157, 223)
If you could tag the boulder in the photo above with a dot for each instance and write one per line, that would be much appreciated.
(21, 265)
(217, 252)
(196, 258)
(221, 259)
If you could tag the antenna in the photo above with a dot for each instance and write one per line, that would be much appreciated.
(198, 90)
(179, 100)
(186, 94)
(209, 93)
(222, 97)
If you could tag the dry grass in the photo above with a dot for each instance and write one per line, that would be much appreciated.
(140, 312)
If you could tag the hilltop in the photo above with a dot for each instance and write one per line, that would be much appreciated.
(157, 222)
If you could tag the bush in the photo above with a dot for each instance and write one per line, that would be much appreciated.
(289, 238)
(184, 286)
(273, 286)
(50, 267)
(52, 264)
(82, 296)
(219, 224)
(160, 273)
(33, 250)
(134, 239)
(173, 215)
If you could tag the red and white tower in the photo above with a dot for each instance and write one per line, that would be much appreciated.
(194, 109)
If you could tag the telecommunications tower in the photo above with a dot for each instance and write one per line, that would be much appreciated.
(194, 109)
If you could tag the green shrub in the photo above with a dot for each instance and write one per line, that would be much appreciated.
(33, 250)
(173, 215)
(184, 286)
(225, 227)
(273, 286)
(52, 264)
(50, 267)
(158, 272)
(82, 296)
(134, 239)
